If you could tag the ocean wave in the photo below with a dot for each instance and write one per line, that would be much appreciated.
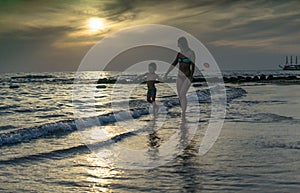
(6, 127)
(56, 154)
(33, 76)
(48, 79)
(69, 151)
(5, 107)
(234, 92)
(31, 109)
(260, 118)
(49, 116)
(67, 126)
(270, 102)
(277, 144)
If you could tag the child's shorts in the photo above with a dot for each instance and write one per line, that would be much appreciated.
(152, 91)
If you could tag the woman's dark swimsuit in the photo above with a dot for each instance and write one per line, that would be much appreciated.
(185, 60)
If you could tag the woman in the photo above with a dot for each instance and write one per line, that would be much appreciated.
(185, 58)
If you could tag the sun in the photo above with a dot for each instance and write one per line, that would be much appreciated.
(95, 24)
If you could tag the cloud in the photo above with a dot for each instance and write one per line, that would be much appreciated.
(263, 25)
(255, 24)
(266, 26)
(217, 23)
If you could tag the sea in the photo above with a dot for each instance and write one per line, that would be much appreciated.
(108, 140)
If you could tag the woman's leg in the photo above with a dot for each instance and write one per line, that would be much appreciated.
(183, 86)
(179, 83)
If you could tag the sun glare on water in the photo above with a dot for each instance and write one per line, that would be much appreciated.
(95, 24)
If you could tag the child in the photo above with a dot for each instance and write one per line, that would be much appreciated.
(151, 79)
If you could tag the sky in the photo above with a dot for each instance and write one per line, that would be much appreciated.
(43, 35)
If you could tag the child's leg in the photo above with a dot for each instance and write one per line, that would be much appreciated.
(155, 106)
(149, 98)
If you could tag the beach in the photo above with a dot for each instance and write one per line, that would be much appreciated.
(42, 150)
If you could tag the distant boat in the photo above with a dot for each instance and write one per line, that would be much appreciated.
(290, 66)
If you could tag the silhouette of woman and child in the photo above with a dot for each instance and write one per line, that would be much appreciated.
(185, 58)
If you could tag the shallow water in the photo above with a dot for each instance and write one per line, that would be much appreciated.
(257, 150)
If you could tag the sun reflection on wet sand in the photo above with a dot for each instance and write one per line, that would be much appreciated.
(101, 174)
